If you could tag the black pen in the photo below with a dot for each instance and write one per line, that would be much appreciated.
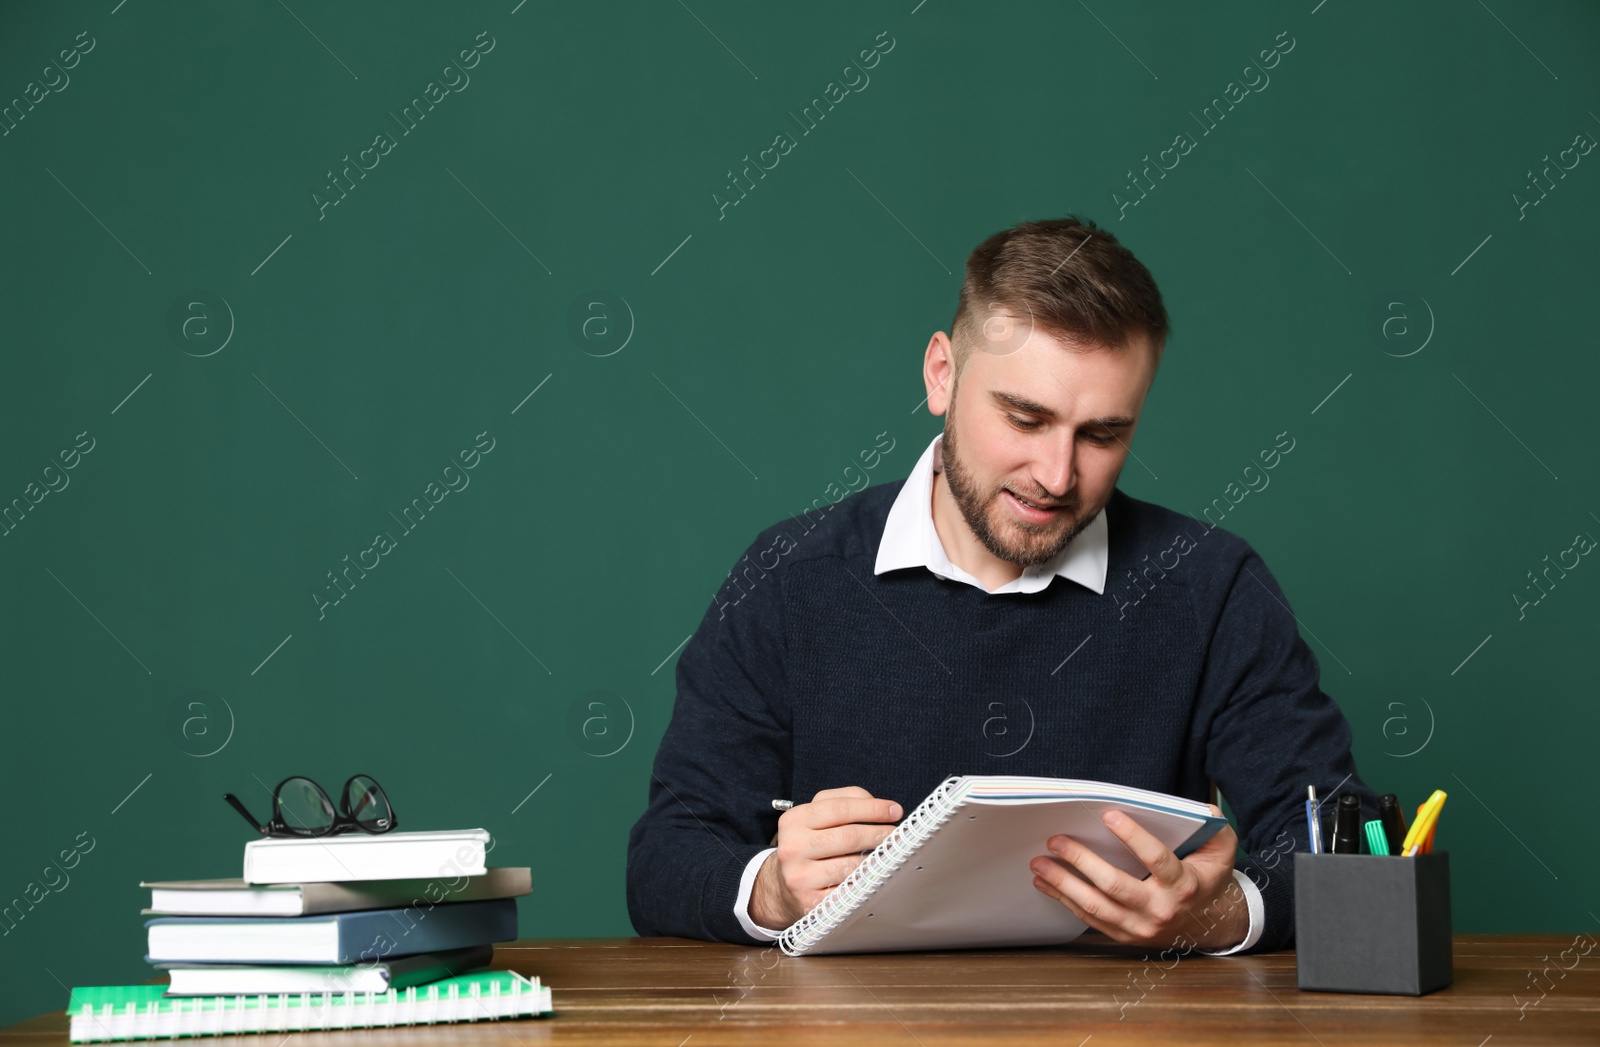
(1394, 821)
(1347, 826)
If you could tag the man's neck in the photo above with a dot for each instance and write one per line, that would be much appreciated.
(961, 546)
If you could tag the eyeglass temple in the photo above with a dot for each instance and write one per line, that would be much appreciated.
(244, 813)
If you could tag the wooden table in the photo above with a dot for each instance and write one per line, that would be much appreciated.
(671, 992)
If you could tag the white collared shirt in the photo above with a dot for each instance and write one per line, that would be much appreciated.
(911, 540)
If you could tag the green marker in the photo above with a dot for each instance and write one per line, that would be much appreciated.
(1377, 841)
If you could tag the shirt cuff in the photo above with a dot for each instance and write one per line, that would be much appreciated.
(747, 882)
(1258, 915)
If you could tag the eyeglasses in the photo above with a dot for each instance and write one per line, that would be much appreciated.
(301, 808)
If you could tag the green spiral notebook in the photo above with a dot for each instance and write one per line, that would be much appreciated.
(142, 1012)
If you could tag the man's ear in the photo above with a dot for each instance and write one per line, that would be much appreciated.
(938, 372)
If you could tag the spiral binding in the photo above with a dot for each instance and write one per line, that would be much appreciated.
(901, 843)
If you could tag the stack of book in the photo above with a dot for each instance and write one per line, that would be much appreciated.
(326, 932)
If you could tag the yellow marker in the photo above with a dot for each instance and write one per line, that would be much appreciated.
(1422, 828)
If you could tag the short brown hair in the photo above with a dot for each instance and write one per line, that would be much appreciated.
(1072, 277)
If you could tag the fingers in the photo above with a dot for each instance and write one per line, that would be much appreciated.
(842, 807)
(1164, 866)
(822, 842)
(820, 876)
(848, 790)
(1105, 879)
(1124, 906)
(1220, 849)
(832, 842)
(1085, 901)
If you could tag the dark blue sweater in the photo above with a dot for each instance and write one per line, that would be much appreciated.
(808, 672)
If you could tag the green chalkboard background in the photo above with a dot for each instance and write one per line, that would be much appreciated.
(1344, 255)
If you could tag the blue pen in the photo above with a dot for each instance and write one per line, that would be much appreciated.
(1313, 819)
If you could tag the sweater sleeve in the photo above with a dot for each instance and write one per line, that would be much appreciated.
(1272, 732)
(724, 757)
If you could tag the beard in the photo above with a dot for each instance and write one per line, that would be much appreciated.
(1014, 541)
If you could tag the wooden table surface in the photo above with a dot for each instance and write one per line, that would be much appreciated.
(674, 992)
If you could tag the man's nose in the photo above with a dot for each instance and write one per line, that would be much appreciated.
(1057, 473)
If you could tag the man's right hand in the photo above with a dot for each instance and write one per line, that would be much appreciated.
(819, 844)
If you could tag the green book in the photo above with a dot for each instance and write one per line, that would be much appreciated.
(144, 1012)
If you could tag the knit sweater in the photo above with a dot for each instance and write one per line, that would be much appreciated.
(809, 672)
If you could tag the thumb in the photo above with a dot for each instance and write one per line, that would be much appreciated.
(1223, 843)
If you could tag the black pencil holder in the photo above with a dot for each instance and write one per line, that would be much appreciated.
(1372, 924)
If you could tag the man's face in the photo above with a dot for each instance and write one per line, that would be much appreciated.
(1035, 439)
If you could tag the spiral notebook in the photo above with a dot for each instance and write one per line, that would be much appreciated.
(141, 1012)
(954, 874)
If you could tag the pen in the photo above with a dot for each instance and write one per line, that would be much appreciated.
(1313, 819)
(1347, 825)
(1394, 822)
(1422, 828)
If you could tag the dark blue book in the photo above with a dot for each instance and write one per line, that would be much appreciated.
(371, 936)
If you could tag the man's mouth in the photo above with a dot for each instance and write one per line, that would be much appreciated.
(1038, 507)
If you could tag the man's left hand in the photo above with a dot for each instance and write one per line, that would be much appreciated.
(1154, 911)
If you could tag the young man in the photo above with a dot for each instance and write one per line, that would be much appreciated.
(857, 665)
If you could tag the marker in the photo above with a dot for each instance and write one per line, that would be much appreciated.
(1425, 845)
(1347, 825)
(1377, 840)
(1422, 828)
(1394, 822)
(1313, 819)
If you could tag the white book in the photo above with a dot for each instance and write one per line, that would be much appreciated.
(229, 979)
(954, 873)
(366, 856)
(331, 938)
(236, 898)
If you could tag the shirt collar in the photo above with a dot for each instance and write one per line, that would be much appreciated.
(911, 540)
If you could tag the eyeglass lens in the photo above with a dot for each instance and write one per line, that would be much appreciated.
(365, 803)
(302, 805)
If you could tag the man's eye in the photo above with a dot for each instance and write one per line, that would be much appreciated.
(1100, 439)
(1020, 424)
